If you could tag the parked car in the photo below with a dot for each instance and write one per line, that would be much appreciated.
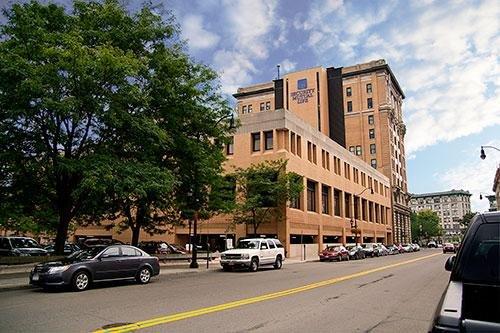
(393, 249)
(252, 253)
(448, 247)
(400, 248)
(356, 252)
(99, 242)
(68, 248)
(20, 246)
(432, 244)
(415, 247)
(331, 253)
(470, 302)
(381, 250)
(407, 248)
(178, 248)
(82, 268)
(370, 249)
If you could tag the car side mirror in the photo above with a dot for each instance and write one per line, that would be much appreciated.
(449, 263)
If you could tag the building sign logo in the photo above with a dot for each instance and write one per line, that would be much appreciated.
(303, 94)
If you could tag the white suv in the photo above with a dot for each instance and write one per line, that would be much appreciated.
(252, 253)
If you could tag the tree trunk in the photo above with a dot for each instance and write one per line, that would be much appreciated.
(65, 207)
(136, 230)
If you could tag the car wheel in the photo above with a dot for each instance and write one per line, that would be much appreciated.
(144, 275)
(254, 265)
(81, 281)
(278, 263)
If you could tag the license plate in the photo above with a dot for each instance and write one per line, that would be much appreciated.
(35, 277)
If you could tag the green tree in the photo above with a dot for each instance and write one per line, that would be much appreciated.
(465, 220)
(425, 224)
(263, 191)
(100, 110)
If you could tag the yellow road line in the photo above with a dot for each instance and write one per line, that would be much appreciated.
(246, 301)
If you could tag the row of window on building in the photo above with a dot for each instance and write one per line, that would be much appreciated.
(348, 90)
(369, 104)
(264, 106)
(344, 204)
(296, 149)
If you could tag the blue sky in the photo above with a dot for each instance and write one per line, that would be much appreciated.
(445, 54)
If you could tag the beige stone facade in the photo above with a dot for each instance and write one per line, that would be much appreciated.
(450, 206)
(375, 131)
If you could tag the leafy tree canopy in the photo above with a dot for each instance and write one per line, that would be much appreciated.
(264, 189)
(102, 112)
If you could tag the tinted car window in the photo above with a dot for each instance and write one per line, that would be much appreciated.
(271, 244)
(483, 262)
(24, 243)
(128, 252)
(4, 243)
(111, 252)
(278, 244)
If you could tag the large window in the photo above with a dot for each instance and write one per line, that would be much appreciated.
(351, 149)
(337, 202)
(368, 88)
(268, 144)
(255, 141)
(373, 163)
(371, 133)
(371, 120)
(268, 106)
(348, 91)
(230, 146)
(261, 106)
(358, 150)
(295, 202)
(369, 103)
(349, 106)
(325, 199)
(347, 205)
(311, 196)
(373, 148)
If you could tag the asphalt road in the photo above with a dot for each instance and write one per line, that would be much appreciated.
(388, 294)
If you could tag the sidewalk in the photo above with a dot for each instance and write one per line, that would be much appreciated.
(15, 278)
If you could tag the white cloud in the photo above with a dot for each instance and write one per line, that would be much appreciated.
(248, 26)
(474, 175)
(287, 65)
(235, 68)
(197, 36)
(444, 54)
(249, 23)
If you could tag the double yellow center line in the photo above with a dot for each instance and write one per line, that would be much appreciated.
(247, 301)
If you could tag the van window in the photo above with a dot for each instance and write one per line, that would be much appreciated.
(483, 262)
(5, 244)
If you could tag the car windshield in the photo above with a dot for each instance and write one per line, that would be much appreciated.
(85, 254)
(333, 248)
(23, 243)
(247, 244)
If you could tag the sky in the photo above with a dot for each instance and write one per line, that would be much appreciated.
(445, 55)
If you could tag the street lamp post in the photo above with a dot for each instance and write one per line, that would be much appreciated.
(194, 241)
(354, 222)
(483, 155)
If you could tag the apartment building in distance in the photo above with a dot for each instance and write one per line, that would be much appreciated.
(375, 131)
(451, 206)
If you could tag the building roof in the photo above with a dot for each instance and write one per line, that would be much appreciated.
(437, 194)
(369, 67)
